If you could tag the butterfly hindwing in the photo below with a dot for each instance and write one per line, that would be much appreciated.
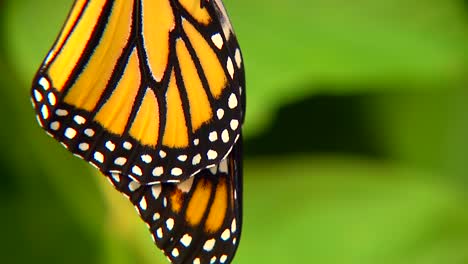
(198, 220)
(152, 89)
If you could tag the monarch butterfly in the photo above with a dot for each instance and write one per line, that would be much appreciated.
(152, 93)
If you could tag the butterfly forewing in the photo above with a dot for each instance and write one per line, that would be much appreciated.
(152, 89)
(196, 221)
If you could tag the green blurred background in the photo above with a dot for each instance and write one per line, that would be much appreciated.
(356, 140)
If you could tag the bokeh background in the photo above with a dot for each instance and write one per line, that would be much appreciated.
(356, 140)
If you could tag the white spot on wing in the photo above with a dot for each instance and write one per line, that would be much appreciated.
(232, 101)
(170, 224)
(127, 145)
(133, 185)
(52, 99)
(116, 177)
(156, 216)
(233, 226)
(186, 240)
(217, 40)
(83, 146)
(99, 157)
(238, 58)
(176, 171)
(44, 83)
(213, 136)
(143, 204)
(226, 235)
(158, 171)
(209, 245)
(61, 112)
(55, 125)
(37, 95)
(225, 136)
(137, 170)
(45, 112)
(79, 119)
(110, 145)
(175, 252)
(159, 233)
(70, 133)
(196, 159)
(89, 132)
(212, 154)
(230, 67)
(120, 161)
(220, 113)
(234, 124)
(146, 158)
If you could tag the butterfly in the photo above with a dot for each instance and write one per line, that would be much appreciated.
(152, 92)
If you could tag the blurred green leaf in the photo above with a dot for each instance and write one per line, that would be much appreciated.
(424, 129)
(308, 210)
(297, 48)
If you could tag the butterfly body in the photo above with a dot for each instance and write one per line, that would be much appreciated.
(152, 92)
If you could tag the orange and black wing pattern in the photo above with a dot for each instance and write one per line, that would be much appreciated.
(150, 89)
(198, 220)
